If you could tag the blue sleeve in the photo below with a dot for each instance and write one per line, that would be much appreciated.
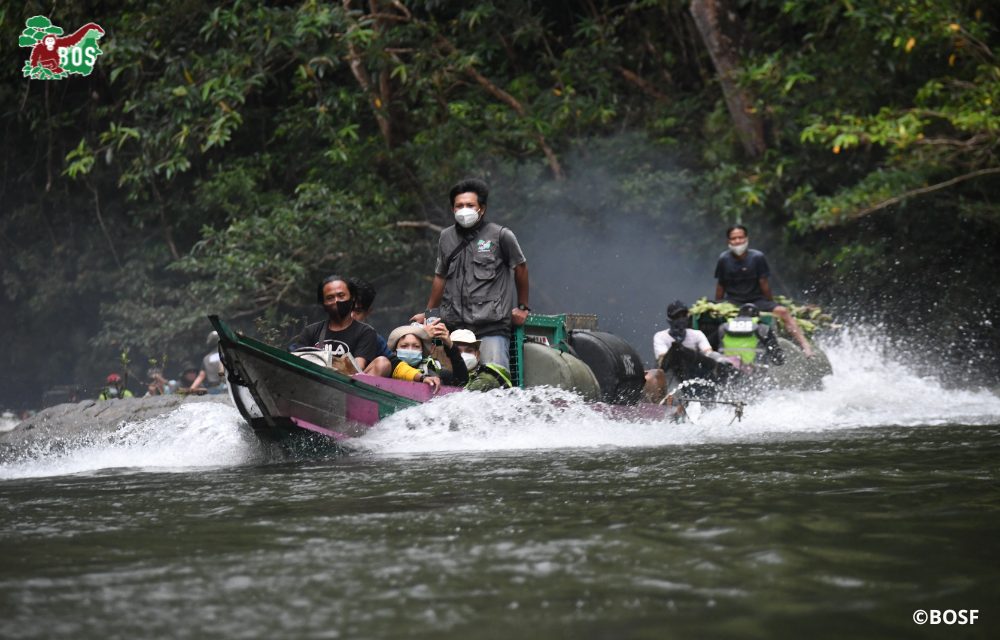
(384, 346)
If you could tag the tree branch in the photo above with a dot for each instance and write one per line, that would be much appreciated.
(923, 190)
(402, 9)
(419, 224)
(644, 85)
(974, 141)
(104, 228)
(495, 91)
(513, 103)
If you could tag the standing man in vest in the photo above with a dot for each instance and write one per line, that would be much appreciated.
(479, 265)
(742, 276)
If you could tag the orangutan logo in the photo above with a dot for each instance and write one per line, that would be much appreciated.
(53, 56)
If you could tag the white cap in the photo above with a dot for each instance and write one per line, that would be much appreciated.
(213, 338)
(465, 337)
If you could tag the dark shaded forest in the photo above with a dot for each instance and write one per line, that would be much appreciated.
(222, 159)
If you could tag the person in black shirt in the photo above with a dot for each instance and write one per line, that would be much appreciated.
(347, 335)
(742, 276)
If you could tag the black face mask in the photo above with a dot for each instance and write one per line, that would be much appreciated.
(340, 310)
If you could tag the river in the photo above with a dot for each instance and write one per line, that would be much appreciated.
(829, 514)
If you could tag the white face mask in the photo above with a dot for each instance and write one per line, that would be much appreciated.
(471, 361)
(466, 217)
(410, 356)
(739, 249)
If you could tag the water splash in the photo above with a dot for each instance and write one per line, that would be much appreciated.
(872, 385)
(7, 423)
(192, 436)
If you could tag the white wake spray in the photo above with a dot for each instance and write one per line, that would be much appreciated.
(192, 436)
(871, 386)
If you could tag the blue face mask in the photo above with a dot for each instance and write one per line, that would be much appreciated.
(410, 356)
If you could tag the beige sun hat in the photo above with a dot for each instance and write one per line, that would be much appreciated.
(465, 336)
(416, 329)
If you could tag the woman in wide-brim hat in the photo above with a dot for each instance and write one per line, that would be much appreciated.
(412, 345)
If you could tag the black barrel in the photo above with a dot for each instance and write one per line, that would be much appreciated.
(615, 363)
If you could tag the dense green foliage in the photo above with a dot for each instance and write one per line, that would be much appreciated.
(221, 159)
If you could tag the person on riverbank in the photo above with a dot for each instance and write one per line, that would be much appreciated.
(189, 373)
(212, 375)
(348, 336)
(412, 345)
(483, 376)
(158, 385)
(742, 275)
(114, 388)
(479, 265)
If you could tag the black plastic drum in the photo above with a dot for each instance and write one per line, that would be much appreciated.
(615, 363)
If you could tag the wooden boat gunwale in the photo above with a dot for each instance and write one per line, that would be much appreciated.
(318, 373)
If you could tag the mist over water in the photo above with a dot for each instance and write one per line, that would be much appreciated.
(871, 387)
(615, 269)
(620, 237)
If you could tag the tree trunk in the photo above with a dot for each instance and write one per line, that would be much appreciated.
(717, 23)
(380, 95)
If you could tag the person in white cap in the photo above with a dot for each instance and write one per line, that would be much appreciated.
(482, 376)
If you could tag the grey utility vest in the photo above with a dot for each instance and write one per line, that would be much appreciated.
(479, 281)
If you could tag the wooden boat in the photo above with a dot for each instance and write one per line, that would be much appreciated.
(279, 393)
(282, 395)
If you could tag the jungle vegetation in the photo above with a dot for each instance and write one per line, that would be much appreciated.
(223, 157)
